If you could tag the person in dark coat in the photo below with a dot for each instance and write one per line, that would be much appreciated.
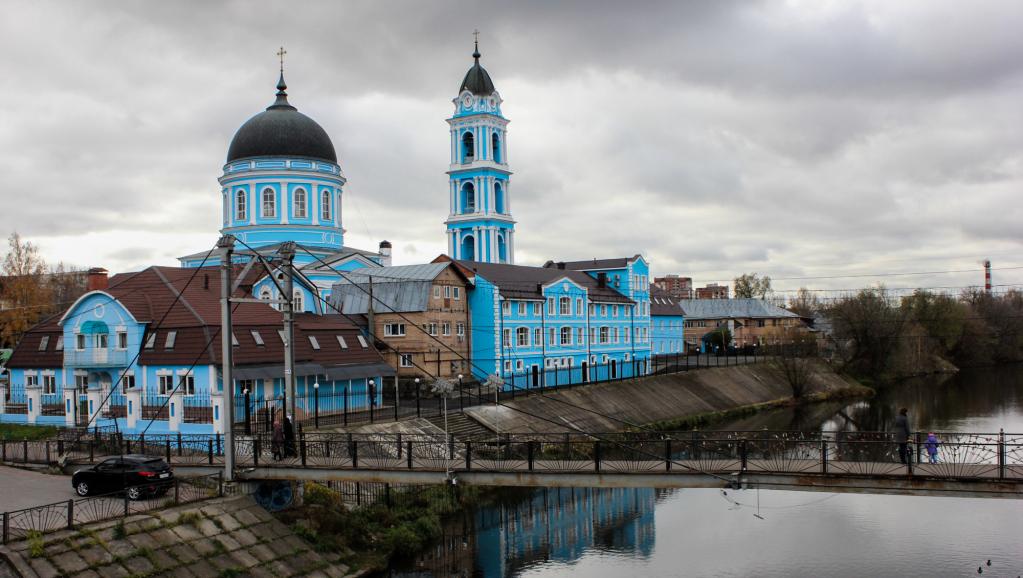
(277, 441)
(289, 438)
(902, 434)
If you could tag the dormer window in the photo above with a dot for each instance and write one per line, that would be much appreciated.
(269, 203)
(468, 147)
(44, 342)
(299, 202)
(172, 336)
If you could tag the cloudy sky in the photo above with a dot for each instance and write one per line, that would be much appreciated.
(796, 139)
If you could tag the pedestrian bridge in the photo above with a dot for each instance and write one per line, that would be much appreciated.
(972, 464)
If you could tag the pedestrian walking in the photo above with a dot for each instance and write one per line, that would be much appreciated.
(289, 438)
(902, 434)
(277, 441)
(932, 447)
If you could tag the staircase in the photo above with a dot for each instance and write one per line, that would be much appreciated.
(461, 426)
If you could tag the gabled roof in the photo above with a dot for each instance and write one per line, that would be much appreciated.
(404, 288)
(520, 282)
(593, 264)
(663, 304)
(732, 309)
(27, 353)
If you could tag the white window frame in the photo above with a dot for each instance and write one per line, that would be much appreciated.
(436, 291)
(519, 365)
(506, 308)
(31, 379)
(341, 341)
(44, 342)
(272, 204)
(257, 337)
(456, 293)
(565, 306)
(507, 367)
(79, 342)
(300, 209)
(507, 338)
(163, 381)
(172, 338)
(122, 340)
(241, 211)
(362, 341)
(537, 309)
(297, 301)
(314, 343)
(394, 330)
(101, 340)
(127, 381)
(521, 337)
(566, 331)
(405, 360)
(325, 208)
(522, 309)
(460, 329)
(49, 384)
(579, 306)
(59, 346)
(552, 336)
(550, 306)
(445, 328)
(580, 336)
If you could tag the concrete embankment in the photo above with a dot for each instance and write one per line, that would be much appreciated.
(664, 399)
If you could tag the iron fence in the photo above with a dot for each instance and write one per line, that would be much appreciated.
(71, 513)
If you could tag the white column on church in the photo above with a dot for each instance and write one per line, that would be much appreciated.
(495, 249)
(507, 196)
(511, 246)
(253, 206)
(314, 203)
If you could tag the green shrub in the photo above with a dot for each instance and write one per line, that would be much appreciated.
(36, 547)
(119, 531)
(189, 518)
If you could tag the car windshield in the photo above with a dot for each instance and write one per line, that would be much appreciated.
(154, 462)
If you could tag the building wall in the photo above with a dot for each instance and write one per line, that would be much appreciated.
(667, 334)
(445, 355)
(745, 331)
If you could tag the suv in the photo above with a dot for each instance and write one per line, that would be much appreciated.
(136, 474)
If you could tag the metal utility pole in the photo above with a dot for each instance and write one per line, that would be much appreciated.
(226, 246)
(287, 253)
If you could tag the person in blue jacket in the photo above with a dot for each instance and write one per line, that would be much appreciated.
(932, 447)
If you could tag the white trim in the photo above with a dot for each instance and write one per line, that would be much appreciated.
(90, 294)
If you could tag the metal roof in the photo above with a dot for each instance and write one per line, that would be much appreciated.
(732, 309)
(403, 288)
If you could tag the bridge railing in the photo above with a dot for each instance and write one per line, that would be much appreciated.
(953, 455)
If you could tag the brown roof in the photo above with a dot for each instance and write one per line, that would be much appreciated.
(27, 353)
(150, 296)
(592, 264)
(661, 303)
(520, 282)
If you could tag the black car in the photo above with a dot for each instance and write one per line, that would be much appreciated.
(140, 475)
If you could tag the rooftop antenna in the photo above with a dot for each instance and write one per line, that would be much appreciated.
(476, 44)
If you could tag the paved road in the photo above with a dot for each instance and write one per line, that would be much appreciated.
(24, 489)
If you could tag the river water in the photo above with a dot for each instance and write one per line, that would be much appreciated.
(594, 532)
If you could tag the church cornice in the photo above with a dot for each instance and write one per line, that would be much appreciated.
(291, 177)
(479, 165)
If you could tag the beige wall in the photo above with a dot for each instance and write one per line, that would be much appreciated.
(437, 355)
(750, 332)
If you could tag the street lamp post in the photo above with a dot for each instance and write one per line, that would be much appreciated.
(316, 404)
(443, 387)
(372, 399)
(461, 398)
(418, 414)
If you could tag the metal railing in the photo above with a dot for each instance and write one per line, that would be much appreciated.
(71, 513)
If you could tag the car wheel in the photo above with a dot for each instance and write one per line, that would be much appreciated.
(134, 493)
(82, 489)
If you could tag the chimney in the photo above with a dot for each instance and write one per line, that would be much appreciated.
(601, 280)
(96, 279)
(385, 253)
(987, 275)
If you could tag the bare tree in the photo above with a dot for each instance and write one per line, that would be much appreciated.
(797, 360)
(805, 303)
(867, 328)
(26, 295)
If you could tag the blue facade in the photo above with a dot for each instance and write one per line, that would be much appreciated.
(667, 334)
(480, 226)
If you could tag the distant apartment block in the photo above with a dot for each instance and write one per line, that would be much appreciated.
(675, 286)
(712, 291)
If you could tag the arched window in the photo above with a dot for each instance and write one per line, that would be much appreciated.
(498, 198)
(264, 294)
(269, 202)
(468, 251)
(496, 143)
(296, 301)
(325, 205)
(522, 337)
(468, 147)
(300, 203)
(240, 210)
(502, 249)
(468, 198)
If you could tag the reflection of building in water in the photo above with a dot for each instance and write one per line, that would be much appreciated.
(561, 524)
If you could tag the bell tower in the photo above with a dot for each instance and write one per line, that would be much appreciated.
(480, 226)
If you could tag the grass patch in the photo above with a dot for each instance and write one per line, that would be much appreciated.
(36, 546)
(191, 518)
(15, 431)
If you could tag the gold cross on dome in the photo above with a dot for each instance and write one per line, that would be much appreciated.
(281, 53)
(476, 38)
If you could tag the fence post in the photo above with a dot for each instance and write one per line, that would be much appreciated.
(316, 409)
(387, 495)
(92, 451)
(60, 447)
(126, 504)
(301, 445)
(451, 446)
(824, 455)
(355, 454)
(468, 455)
(220, 484)
(209, 448)
(418, 408)
(1001, 454)
(596, 455)
(408, 453)
(255, 450)
(7, 526)
(179, 442)
(70, 514)
(742, 454)
(142, 443)
(24, 455)
(167, 445)
(529, 456)
(667, 455)
(917, 447)
(346, 404)
(400, 445)
(5, 450)
(47, 452)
